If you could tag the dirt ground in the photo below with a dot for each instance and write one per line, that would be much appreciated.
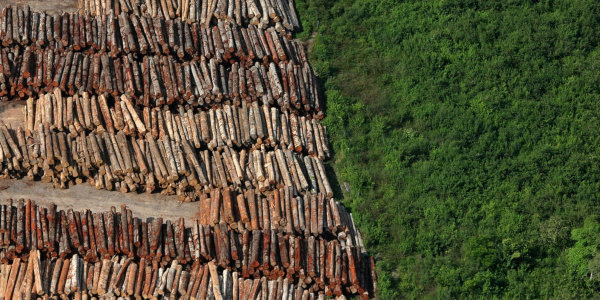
(47, 5)
(11, 112)
(80, 197)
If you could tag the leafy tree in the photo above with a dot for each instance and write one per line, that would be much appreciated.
(582, 256)
(468, 134)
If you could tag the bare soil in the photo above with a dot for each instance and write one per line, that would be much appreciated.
(81, 197)
(52, 6)
(11, 112)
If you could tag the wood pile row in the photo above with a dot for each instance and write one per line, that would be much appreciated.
(124, 34)
(116, 162)
(246, 126)
(280, 210)
(122, 277)
(316, 264)
(280, 14)
(159, 80)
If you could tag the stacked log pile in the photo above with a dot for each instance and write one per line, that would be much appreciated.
(122, 34)
(159, 80)
(305, 215)
(208, 100)
(247, 126)
(115, 162)
(121, 55)
(113, 252)
(280, 14)
(76, 278)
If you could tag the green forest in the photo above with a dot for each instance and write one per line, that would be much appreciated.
(468, 135)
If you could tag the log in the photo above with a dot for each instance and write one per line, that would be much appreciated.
(215, 280)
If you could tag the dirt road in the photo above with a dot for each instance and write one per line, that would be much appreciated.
(49, 5)
(83, 196)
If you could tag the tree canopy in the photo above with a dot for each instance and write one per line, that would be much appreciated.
(467, 133)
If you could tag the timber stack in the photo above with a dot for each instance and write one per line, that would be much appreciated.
(280, 14)
(51, 252)
(114, 161)
(208, 100)
(249, 125)
(122, 34)
(156, 63)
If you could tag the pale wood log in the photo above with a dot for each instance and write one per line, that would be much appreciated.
(327, 186)
(215, 280)
(95, 114)
(106, 113)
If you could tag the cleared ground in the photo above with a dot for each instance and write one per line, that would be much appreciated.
(11, 112)
(47, 5)
(83, 196)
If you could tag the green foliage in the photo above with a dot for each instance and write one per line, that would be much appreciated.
(468, 133)
(582, 256)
